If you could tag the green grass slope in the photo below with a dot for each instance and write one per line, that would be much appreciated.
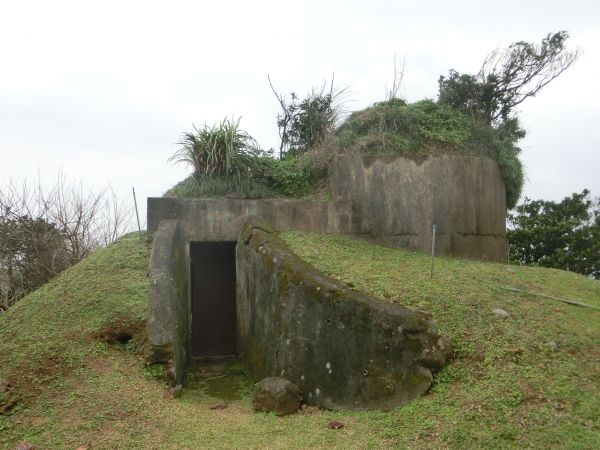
(505, 388)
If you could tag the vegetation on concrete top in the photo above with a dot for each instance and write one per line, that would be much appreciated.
(473, 115)
(432, 128)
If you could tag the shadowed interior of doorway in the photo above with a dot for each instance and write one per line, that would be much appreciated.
(213, 321)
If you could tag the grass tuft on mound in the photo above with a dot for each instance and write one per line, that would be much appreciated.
(77, 383)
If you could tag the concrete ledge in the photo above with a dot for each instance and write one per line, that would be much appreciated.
(221, 219)
(342, 348)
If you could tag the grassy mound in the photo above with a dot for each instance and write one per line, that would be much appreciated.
(528, 380)
(79, 380)
(430, 128)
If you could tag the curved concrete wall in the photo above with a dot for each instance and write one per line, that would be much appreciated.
(395, 200)
(342, 348)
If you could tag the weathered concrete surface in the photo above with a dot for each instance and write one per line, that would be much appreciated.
(390, 200)
(395, 201)
(168, 322)
(343, 349)
(221, 219)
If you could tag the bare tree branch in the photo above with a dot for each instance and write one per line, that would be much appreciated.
(45, 230)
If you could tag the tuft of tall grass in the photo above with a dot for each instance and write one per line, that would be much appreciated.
(220, 150)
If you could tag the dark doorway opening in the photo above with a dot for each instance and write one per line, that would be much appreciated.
(213, 299)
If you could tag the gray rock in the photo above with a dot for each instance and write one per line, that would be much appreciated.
(176, 391)
(276, 395)
(24, 446)
(500, 313)
(551, 345)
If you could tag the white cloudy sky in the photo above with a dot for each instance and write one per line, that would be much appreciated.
(103, 89)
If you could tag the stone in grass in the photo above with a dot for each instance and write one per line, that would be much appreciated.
(278, 395)
(176, 391)
(24, 446)
(4, 386)
(500, 313)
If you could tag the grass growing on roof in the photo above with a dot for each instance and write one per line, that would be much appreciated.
(210, 187)
(505, 388)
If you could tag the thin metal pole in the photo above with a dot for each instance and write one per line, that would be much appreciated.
(136, 213)
(432, 246)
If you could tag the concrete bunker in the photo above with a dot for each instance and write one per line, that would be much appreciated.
(389, 200)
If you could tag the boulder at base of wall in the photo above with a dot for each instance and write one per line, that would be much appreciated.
(276, 395)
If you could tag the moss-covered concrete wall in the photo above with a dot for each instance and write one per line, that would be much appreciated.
(168, 323)
(343, 349)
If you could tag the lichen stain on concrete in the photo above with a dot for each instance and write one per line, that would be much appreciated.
(383, 354)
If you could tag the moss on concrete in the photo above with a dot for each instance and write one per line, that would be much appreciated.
(344, 349)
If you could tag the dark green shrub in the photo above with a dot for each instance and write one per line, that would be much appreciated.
(292, 176)
(564, 235)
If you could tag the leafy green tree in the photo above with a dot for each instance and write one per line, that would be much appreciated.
(563, 235)
(507, 78)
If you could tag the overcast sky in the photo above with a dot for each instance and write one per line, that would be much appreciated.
(104, 89)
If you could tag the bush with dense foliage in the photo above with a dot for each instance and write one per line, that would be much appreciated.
(292, 176)
(32, 251)
(563, 235)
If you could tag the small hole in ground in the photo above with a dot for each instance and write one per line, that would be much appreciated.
(122, 338)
